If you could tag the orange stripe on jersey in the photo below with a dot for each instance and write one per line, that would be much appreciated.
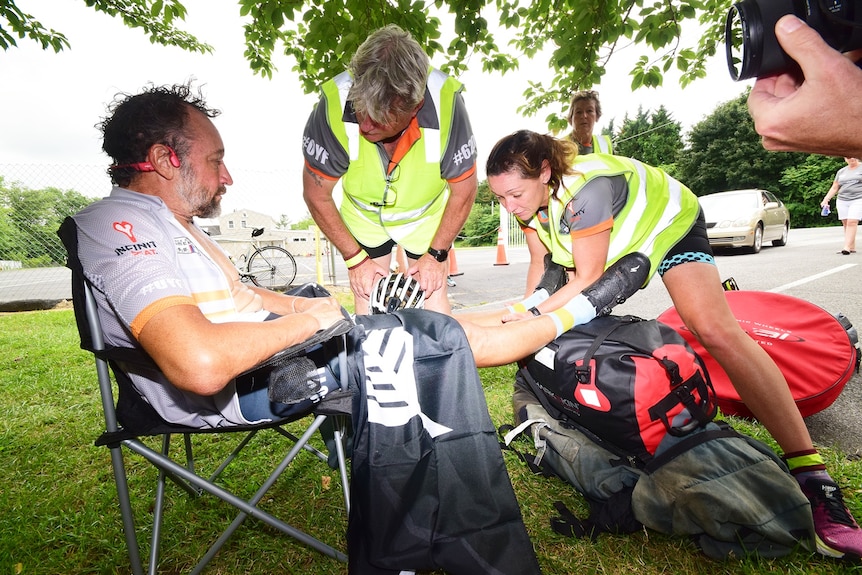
(155, 308)
(319, 173)
(463, 176)
(593, 230)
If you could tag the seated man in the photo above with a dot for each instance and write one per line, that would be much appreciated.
(163, 285)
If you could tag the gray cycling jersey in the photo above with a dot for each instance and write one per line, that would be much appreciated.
(598, 201)
(142, 261)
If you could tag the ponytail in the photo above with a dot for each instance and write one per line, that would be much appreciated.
(524, 152)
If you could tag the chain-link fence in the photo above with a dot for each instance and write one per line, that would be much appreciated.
(34, 199)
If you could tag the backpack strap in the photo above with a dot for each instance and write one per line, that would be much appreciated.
(677, 449)
(611, 515)
(534, 463)
(681, 392)
(582, 372)
(568, 524)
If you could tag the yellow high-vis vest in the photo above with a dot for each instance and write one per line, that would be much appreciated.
(406, 204)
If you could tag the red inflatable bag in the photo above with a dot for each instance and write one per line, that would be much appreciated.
(808, 344)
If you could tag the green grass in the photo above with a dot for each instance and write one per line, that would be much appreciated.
(59, 515)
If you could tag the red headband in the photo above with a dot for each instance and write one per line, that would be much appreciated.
(147, 166)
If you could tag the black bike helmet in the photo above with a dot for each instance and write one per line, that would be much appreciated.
(394, 292)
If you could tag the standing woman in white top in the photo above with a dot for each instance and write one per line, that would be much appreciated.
(848, 187)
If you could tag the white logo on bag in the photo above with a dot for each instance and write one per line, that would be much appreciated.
(546, 356)
(390, 382)
(590, 398)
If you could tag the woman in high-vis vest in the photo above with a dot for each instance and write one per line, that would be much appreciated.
(584, 112)
(589, 211)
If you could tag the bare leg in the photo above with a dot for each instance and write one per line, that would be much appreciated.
(514, 340)
(437, 301)
(850, 227)
(400, 259)
(489, 318)
(507, 343)
(695, 289)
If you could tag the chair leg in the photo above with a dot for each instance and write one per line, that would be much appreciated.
(284, 527)
(188, 487)
(126, 510)
(340, 424)
(246, 507)
(299, 535)
(248, 437)
(190, 457)
(158, 511)
(309, 448)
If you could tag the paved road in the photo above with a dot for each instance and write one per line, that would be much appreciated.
(808, 268)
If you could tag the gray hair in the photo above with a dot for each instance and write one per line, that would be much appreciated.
(584, 95)
(390, 71)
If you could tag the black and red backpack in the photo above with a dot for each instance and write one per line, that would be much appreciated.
(630, 382)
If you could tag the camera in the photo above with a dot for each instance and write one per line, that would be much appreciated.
(749, 35)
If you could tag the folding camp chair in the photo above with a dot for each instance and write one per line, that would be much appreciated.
(132, 418)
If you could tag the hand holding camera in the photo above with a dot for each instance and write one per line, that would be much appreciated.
(750, 41)
(813, 105)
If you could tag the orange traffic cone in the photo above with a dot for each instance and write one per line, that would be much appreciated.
(453, 263)
(501, 250)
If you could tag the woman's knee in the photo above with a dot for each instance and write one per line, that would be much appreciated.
(714, 331)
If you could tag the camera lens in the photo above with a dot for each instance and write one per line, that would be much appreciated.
(752, 49)
(750, 42)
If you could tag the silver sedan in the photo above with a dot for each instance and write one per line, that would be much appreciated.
(745, 218)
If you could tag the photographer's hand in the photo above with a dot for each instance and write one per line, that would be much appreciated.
(823, 113)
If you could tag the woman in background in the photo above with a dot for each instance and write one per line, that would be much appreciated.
(848, 187)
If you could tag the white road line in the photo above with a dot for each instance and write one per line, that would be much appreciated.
(812, 278)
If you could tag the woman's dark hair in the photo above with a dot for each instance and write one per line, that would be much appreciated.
(157, 115)
(524, 151)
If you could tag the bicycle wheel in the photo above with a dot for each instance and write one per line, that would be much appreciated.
(272, 267)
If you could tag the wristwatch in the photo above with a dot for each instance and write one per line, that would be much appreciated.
(439, 255)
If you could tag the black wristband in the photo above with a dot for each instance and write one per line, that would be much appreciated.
(535, 311)
(439, 255)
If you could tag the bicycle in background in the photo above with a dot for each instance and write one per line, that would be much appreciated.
(270, 267)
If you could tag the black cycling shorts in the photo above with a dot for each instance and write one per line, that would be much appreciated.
(693, 247)
(385, 249)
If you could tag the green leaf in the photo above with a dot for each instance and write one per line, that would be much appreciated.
(320, 36)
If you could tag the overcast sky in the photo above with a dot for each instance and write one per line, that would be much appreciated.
(50, 103)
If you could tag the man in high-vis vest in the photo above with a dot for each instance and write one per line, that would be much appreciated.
(395, 132)
(584, 112)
